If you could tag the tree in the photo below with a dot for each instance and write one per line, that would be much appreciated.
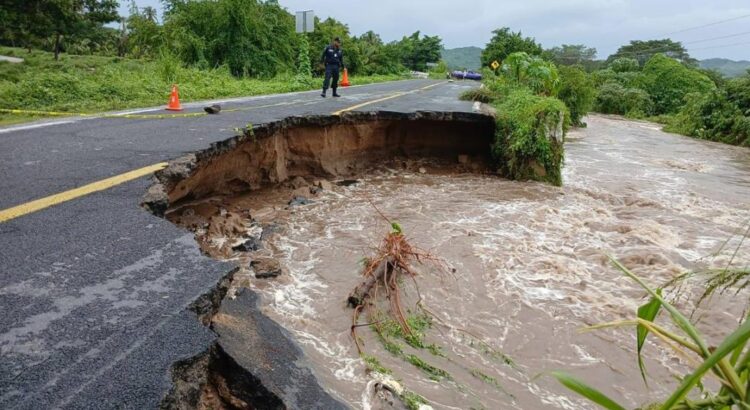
(571, 54)
(59, 18)
(325, 32)
(377, 58)
(505, 42)
(416, 52)
(576, 91)
(668, 82)
(144, 34)
(250, 37)
(533, 72)
(644, 50)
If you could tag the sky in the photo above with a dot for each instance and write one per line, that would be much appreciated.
(603, 24)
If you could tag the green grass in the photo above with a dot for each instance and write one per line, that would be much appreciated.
(489, 380)
(418, 323)
(412, 400)
(387, 330)
(433, 372)
(374, 364)
(90, 84)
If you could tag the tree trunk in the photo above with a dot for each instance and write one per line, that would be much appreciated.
(58, 36)
(362, 291)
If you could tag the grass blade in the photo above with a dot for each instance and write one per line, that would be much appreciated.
(724, 368)
(737, 338)
(586, 391)
(678, 317)
(646, 312)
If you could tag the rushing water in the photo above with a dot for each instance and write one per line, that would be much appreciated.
(531, 267)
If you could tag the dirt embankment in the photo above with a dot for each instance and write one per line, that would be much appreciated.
(318, 146)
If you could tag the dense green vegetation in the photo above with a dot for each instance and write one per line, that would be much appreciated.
(525, 146)
(250, 37)
(210, 48)
(686, 99)
(531, 121)
(655, 79)
(722, 114)
(97, 83)
(536, 89)
(504, 42)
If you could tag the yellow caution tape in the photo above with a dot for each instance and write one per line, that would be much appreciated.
(48, 113)
(134, 116)
(193, 114)
(92, 115)
(153, 116)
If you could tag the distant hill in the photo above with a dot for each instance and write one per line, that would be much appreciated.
(462, 57)
(729, 68)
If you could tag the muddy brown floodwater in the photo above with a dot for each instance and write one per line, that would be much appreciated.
(531, 267)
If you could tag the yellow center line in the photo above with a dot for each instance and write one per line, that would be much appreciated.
(46, 202)
(354, 107)
(396, 95)
(33, 206)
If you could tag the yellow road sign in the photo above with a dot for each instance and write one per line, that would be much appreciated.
(494, 65)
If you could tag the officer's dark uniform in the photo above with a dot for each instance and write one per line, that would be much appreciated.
(333, 58)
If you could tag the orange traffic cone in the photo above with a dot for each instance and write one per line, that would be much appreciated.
(174, 100)
(345, 79)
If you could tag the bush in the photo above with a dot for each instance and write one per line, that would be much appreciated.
(613, 98)
(577, 92)
(714, 117)
(738, 91)
(667, 81)
(439, 71)
(529, 136)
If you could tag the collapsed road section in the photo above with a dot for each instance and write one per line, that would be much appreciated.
(318, 146)
(254, 363)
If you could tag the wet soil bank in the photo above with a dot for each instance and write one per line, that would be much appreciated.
(318, 146)
(237, 195)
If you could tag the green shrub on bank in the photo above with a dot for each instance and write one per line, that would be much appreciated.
(722, 114)
(577, 92)
(529, 136)
(613, 98)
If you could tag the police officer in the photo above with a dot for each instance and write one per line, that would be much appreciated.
(333, 58)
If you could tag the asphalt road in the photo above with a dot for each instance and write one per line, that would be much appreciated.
(94, 291)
